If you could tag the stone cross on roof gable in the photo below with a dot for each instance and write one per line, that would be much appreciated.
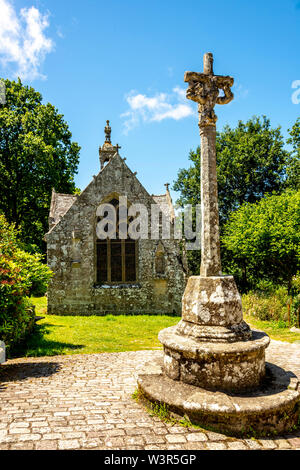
(117, 147)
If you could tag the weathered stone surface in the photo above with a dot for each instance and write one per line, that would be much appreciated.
(212, 301)
(71, 250)
(215, 334)
(107, 151)
(204, 89)
(215, 366)
(210, 238)
(93, 393)
(273, 409)
(2, 352)
(212, 310)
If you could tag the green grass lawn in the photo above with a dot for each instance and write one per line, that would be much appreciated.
(60, 335)
(273, 329)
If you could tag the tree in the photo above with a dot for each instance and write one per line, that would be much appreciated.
(293, 174)
(251, 161)
(36, 155)
(264, 238)
(21, 275)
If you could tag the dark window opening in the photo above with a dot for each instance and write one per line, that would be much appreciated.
(116, 259)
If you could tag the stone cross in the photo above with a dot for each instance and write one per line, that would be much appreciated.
(204, 88)
(117, 147)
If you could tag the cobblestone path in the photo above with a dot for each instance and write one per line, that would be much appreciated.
(84, 402)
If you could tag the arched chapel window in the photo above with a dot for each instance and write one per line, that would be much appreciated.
(160, 265)
(116, 258)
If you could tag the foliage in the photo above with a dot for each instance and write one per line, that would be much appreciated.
(36, 155)
(20, 274)
(267, 306)
(251, 162)
(264, 239)
(293, 176)
(278, 330)
(295, 292)
(37, 274)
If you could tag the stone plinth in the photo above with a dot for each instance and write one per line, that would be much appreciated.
(273, 409)
(212, 347)
(235, 366)
(212, 310)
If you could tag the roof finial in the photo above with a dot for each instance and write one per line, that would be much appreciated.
(167, 185)
(107, 131)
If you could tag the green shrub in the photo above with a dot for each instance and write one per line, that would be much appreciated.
(21, 274)
(37, 274)
(263, 240)
(272, 305)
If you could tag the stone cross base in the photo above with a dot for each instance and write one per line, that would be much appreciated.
(274, 409)
(213, 367)
(212, 310)
(212, 347)
(238, 366)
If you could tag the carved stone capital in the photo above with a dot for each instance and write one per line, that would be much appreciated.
(204, 89)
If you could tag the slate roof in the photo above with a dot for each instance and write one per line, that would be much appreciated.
(165, 203)
(60, 204)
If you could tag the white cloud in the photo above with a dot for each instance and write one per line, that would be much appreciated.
(240, 91)
(161, 106)
(23, 44)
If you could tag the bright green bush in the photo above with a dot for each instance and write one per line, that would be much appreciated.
(21, 275)
(296, 298)
(264, 306)
(272, 305)
(263, 239)
(37, 274)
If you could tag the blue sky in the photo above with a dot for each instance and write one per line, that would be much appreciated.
(124, 60)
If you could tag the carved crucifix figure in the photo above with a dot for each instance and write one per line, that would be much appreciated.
(204, 88)
(107, 131)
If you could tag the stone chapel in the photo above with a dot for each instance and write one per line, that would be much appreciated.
(112, 276)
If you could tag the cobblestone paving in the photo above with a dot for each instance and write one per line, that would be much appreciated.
(84, 402)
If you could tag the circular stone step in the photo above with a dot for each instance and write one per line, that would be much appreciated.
(272, 409)
(215, 366)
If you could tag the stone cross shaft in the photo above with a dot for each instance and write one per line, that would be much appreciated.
(204, 88)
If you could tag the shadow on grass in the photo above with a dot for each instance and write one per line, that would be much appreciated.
(36, 345)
